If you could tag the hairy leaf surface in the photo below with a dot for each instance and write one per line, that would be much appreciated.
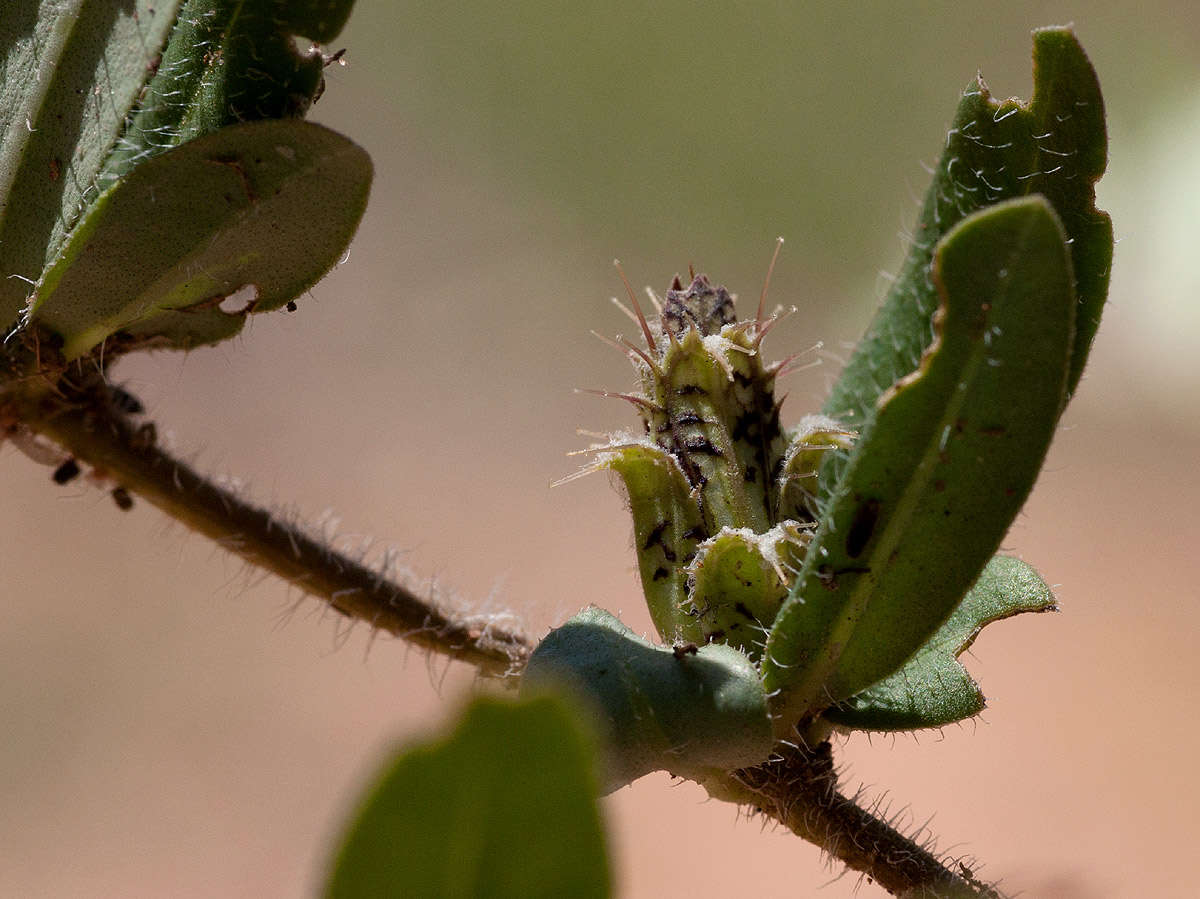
(942, 468)
(1055, 146)
(91, 88)
(229, 61)
(73, 69)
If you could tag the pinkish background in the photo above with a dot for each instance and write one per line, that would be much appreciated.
(171, 728)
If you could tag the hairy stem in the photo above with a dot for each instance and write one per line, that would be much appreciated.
(799, 789)
(127, 453)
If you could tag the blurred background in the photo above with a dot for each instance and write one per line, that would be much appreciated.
(175, 725)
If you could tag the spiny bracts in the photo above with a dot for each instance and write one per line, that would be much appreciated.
(723, 500)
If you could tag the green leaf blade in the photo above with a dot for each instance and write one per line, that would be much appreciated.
(939, 473)
(271, 204)
(228, 61)
(505, 807)
(93, 88)
(997, 150)
(1069, 108)
(933, 689)
(71, 73)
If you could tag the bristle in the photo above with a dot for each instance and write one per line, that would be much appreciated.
(787, 368)
(673, 337)
(762, 298)
(633, 351)
(625, 310)
(576, 475)
(615, 442)
(723, 361)
(612, 343)
(765, 327)
(639, 401)
(641, 319)
(641, 354)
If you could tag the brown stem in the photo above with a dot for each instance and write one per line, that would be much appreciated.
(127, 453)
(799, 789)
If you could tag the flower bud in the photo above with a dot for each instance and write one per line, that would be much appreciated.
(723, 500)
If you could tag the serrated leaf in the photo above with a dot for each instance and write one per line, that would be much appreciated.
(72, 70)
(505, 807)
(271, 204)
(690, 710)
(943, 467)
(1055, 146)
(933, 689)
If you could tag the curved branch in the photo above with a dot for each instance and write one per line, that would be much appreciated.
(798, 789)
(126, 452)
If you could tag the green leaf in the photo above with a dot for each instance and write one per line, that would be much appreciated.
(271, 204)
(1055, 146)
(933, 689)
(939, 473)
(505, 807)
(92, 88)
(72, 71)
(229, 61)
(688, 710)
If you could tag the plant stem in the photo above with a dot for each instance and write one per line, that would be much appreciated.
(127, 453)
(799, 789)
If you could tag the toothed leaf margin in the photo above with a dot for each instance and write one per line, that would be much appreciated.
(933, 689)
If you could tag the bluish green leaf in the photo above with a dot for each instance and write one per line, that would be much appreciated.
(688, 710)
(933, 689)
(937, 476)
(271, 204)
(504, 807)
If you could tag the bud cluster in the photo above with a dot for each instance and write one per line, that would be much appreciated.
(723, 500)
